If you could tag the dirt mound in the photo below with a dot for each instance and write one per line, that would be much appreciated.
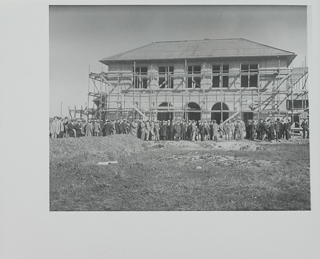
(110, 147)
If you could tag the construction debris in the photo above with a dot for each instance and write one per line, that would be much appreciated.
(108, 163)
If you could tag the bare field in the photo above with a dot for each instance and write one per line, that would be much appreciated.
(178, 176)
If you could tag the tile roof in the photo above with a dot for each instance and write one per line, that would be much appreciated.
(195, 49)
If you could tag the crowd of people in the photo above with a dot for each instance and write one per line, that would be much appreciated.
(149, 130)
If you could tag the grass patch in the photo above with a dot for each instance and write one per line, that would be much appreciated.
(167, 179)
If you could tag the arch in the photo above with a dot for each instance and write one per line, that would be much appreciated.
(164, 116)
(219, 112)
(192, 115)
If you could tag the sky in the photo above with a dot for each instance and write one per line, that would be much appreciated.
(79, 36)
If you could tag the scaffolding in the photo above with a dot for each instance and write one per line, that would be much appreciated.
(118, 94)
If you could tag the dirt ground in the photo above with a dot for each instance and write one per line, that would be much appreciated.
(178, 175)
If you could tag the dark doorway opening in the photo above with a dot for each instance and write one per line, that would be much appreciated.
(196, 116)
(164, 116)
(217, 114)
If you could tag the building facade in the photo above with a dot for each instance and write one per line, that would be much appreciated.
(199, 80)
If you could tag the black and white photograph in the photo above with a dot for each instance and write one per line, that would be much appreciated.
(172, 129)
(179, 108)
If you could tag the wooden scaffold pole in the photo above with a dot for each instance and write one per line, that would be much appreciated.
(88, 94)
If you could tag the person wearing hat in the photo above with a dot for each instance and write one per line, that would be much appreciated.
(221, 129)
(232, 128)
(242, 129)
(236, 130)
(117, 126)
(277, 129)
(123, 127)
(60, 134)
(194, 131)
(55, 127)
(143, 130)
(163, 131)
(252, 130)
(215, 128)
(96, 128)
(189, 131)
(134, 128)
(226, 128)
(305, 128)
(156, 130)
(72, 130)
(147, 130)
(263, 130)
(107, 128)
(271, 131)
(201, 130)
(77, 128)
(183, 128)
(287, 128)
(89, 129)
(66, 125)
(177, 130)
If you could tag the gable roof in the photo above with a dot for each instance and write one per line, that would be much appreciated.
(196, 49)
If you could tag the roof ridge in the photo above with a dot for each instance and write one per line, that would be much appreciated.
(196, 40)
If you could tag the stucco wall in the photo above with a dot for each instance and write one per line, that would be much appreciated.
(204, 97)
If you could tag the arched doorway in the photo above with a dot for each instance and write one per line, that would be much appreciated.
(164, 116)
(218, 112)
(192, 115)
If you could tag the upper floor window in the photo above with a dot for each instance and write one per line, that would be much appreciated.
(194, 76)
(165, 78)
(220, 75)
(141, 77)
(249, 75)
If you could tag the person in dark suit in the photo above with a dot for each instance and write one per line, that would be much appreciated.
(215, 127)
(163, 131)
(282, 129)
(201, 130)
(177, 130)
(156, 130)
(211, 130)
(143, 130)
(117, 126)
(172, 130)
(123, 127)
(77, 127)
(107, 128)
(277, 129)
(189, 131)
(271, 130)
(305, 128)
(183, 130)
(287, 128)
(263, 130)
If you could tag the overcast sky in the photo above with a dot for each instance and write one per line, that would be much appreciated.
(79, 36)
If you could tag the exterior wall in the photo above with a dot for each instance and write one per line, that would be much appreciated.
(125, 96)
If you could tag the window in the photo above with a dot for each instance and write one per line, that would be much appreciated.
(216, 76)
(165, 79)
(220, 73)
(249, 78)
(141, 80)
(297, 104)
(225, 76)
(194, 80)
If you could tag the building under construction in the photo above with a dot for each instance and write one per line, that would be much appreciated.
(199, 79)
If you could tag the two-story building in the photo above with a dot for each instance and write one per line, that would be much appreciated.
(199, 79)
